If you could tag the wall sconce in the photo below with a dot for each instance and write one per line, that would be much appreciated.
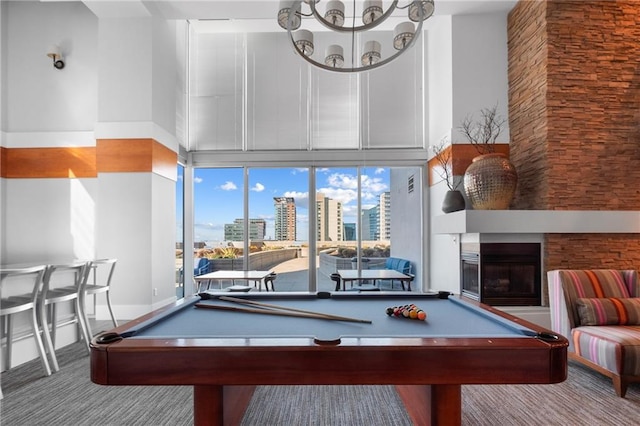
(54, 53)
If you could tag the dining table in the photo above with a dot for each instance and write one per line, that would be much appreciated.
(373, 275)
(204, 281)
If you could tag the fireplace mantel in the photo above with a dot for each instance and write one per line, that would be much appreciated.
(537, 221)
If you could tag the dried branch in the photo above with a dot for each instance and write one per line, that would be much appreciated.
(484, 132)
(443, 156)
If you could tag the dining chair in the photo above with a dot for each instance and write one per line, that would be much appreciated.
(269, 279)
(22, 302)
(65, 287)
(101, 283)
(336, 277)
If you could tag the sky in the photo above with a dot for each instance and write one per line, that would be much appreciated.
(218, 195)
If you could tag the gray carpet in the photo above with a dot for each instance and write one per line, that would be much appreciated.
(69, 398)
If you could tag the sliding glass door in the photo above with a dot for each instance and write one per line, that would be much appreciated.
(306, 223)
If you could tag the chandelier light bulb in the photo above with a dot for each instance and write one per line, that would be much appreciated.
(304, 41)
(427, 10)
(402, 34)
(335, 12)
(372, 11)
(297, 20)
(334, 56)
(371, 53)
(283, 15)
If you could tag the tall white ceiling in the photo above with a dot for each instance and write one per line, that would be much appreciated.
(258, 9)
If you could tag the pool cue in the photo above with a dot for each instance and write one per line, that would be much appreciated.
(284, 308)
(274, 312)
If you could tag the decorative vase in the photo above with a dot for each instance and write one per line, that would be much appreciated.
(453, 202)
(490, 182)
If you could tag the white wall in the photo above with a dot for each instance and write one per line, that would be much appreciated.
(407, 235)
(116, 70)
(469, 73)
(138, 100)
(165, 74)
(444, 255)
(480, 67)
(42, 98)
(3, 68)
(49, 219)
(125, 233)
(126, 70)
(440, 78)
(163, 239)
(3, 87)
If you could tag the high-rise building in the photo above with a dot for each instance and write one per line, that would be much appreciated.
(235, 231)
(369, 221)
(329, 219)
(285, 223)
(350, 232)
(385, 216)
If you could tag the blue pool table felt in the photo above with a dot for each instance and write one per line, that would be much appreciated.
(449, 318)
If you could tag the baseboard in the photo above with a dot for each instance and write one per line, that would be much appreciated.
(25, 350)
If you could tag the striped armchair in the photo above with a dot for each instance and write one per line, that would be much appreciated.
(599, 313)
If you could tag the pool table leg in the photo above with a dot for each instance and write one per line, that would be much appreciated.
(432, 404)
(215, 405)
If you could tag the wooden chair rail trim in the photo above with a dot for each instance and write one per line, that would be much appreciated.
(108, 156)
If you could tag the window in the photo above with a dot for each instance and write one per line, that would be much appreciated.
(179, 231)
(237, 103)
(267, 212)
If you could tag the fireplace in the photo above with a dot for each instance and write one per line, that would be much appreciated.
(502, 274)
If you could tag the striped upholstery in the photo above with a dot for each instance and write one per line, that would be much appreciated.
(609, 311)
(615, 348)
(566, 286)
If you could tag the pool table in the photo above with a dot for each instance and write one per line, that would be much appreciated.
(224, 353)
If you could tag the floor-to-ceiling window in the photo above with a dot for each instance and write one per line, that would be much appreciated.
(279, 215)
(315, 154)
(257, 218)
(180, 231)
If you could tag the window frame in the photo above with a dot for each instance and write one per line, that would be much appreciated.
(312, 160)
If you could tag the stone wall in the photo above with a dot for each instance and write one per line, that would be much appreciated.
(574, 118)
(527, 45)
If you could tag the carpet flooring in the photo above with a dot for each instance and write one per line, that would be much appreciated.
(69, 398)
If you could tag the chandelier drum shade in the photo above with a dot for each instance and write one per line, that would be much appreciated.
(353, 23)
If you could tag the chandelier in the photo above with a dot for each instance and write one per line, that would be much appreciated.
(370, 55)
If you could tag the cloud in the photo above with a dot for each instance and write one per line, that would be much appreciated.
(342, 180)
(380, 170)
(197, 180)
(343, 187)
(297, 195)
(258, 187)
(301, 198)
(373, 184)
(345, 196)
(208, 226)
(229, 186)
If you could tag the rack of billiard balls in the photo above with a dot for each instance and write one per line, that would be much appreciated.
(407, 311)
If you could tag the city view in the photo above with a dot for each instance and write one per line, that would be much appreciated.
(277, 196)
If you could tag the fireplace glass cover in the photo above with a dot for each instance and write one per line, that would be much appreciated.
(509, 274)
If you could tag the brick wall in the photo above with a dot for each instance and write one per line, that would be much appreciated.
(574, 111)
